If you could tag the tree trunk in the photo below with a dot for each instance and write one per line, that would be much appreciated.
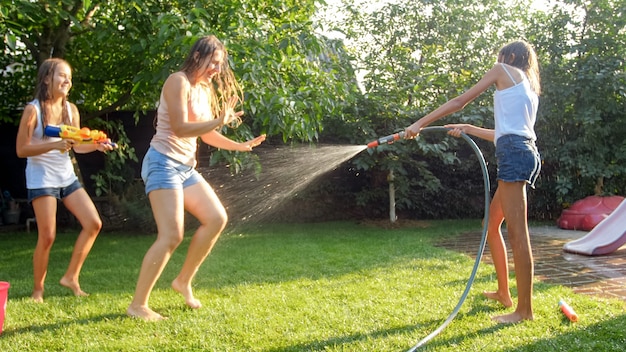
(599, 188)
(392, 198)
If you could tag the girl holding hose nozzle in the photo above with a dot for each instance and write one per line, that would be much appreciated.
(517, 83)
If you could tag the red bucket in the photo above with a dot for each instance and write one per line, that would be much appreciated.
(4, 294)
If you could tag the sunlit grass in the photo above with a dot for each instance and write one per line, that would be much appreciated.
(295, 287)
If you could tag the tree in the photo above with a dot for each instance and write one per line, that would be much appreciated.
(122, 51)
(415, 55)
(583, 119)
(418, 54)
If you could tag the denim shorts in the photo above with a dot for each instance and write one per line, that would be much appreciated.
(159, 171)
(56, 192)
(518, 159)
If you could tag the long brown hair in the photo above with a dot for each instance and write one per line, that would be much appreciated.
(521, 54)
(224, 85)
(43, 90)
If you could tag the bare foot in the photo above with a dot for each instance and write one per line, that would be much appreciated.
(505, 300)
(511, 318)
(187, 293)
(143, 312)
(37, 296)
(74, 286)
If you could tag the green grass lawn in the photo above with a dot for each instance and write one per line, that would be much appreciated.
(338, 286)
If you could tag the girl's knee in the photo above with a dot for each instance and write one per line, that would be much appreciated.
(93, 226)
(97, 224)
(217, 218)
(222, 219)
(46, 239)
(171, 242)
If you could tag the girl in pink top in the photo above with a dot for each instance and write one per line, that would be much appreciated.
(195, 102)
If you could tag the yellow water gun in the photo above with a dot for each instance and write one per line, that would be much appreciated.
(79, 135)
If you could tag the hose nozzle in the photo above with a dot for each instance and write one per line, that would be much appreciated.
(386, 140)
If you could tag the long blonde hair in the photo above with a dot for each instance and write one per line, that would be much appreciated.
(224, 83)
(521, 54)
(43, 90)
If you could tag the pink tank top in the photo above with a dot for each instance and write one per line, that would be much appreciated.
(181, 149)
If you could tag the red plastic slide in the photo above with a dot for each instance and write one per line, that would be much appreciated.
(588, 212)
(605, 238)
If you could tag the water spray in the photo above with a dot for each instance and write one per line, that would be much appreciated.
(386, 140)
(400, 135)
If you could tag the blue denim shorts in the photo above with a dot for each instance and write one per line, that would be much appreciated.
(159, 171)
(56, 192)
(518, 159)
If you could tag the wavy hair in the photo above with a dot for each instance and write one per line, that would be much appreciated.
(43, 90)
(224, 85)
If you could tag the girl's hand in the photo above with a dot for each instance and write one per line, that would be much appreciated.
(413, 131)
(106, 146)
(228, 114)
(64, 145)
(455, 130)
(253, 142)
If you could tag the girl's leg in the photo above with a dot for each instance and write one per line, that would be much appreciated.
(168, 210)
(79, 204)
(45, 209)
(514, 205)
(497, 249)
(201, 202)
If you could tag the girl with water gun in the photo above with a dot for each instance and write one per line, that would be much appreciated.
(50, 174)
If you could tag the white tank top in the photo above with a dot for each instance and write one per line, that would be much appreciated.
(52, 169)
(515, 109)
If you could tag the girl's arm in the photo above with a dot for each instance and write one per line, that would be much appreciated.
(480, 132)
(23, 147)
(217, 140)
(456, 104)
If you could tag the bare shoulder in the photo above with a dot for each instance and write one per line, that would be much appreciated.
(177, 80)
(504, 75)
(29, 110)
(29, 117)
(517, 73)
(176, 86)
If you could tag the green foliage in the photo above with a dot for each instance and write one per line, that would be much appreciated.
(582, 120)
(122, 52)
(417, 55)
(135, 210)
(117, 172)
(410, 56)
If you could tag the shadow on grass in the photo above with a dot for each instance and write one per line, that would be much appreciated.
(277, 253)
(605, 336)
(320, 345)
(58, 325)
(273, 255)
